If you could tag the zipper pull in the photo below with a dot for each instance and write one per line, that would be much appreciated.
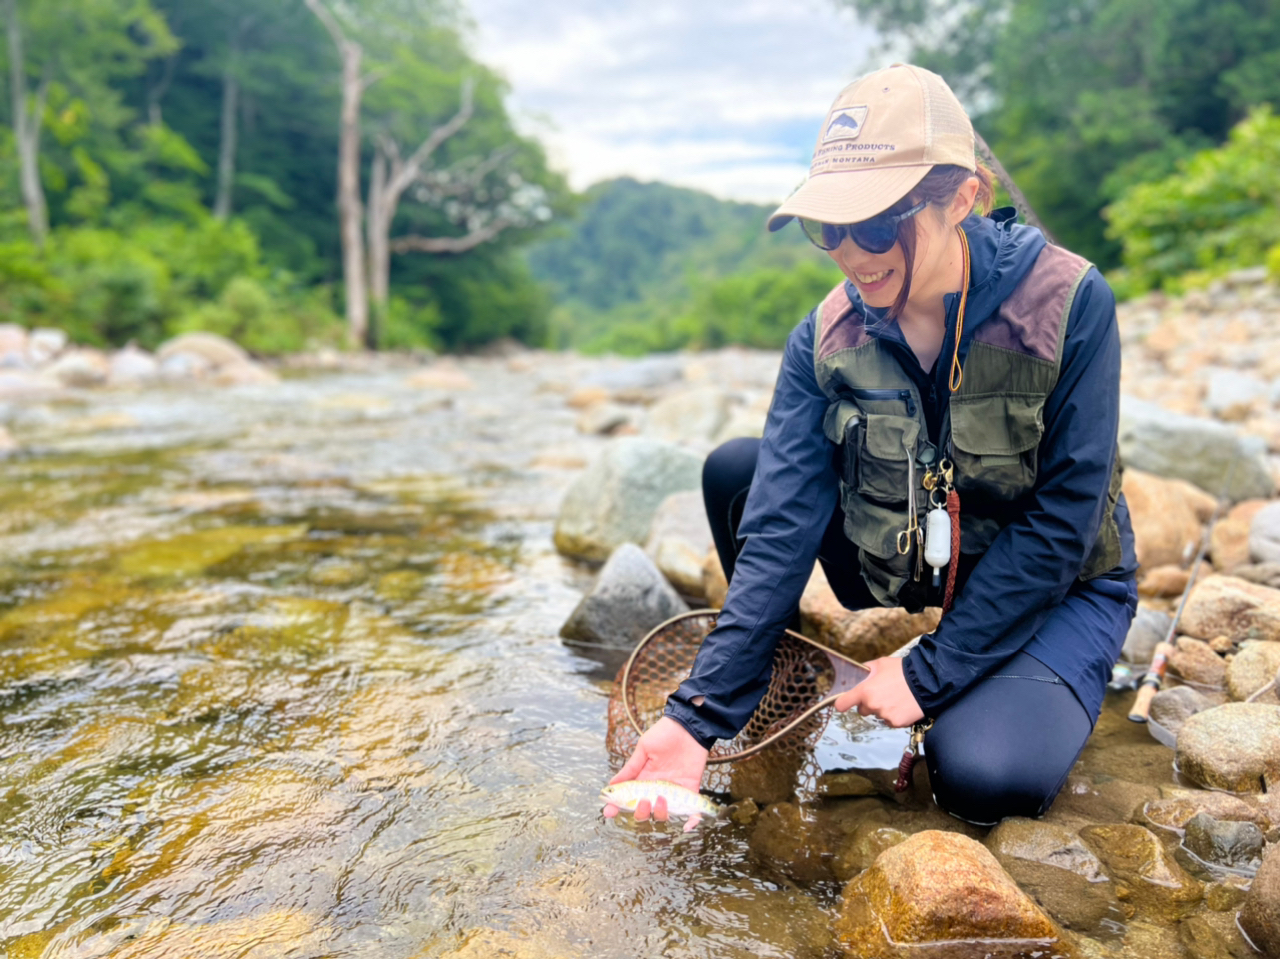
(911, 402)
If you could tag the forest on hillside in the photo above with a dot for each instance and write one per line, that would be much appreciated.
(297, 173)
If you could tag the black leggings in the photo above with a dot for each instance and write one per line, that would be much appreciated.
(1006, 746)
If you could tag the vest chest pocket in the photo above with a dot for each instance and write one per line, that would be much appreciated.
(884, 447)
(995, 440)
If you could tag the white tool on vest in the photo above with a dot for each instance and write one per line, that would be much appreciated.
(937, 548)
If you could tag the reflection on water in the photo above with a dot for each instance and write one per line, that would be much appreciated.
(279, 675)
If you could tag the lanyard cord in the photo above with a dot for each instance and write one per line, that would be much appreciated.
(957, 373)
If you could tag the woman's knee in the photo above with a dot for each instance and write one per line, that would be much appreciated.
(983, 782)
(730, 467)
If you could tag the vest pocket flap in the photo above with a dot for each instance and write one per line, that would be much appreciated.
(839, 415)
(891, 437)
(994, 427)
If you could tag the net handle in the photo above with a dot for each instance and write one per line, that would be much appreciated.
(849, 672)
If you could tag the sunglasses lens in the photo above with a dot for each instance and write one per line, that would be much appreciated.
(877, 235)
(823, 235)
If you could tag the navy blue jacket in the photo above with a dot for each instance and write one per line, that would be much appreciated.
(1004, 595)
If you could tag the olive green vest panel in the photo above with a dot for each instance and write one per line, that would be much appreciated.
(996, 421)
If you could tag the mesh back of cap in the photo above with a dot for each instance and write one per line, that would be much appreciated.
(948, 131)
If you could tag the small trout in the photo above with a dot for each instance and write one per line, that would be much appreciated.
(680, 801)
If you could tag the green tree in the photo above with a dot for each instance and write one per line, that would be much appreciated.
(1082, 99)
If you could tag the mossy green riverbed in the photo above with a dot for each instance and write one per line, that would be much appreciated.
(280, 676)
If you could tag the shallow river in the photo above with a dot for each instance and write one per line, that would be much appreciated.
(280, 675)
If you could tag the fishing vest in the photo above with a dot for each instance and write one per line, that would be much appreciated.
(994, 424)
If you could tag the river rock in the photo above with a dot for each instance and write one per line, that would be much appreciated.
(184, 367)
(861, 634)
(1263, 574)
(678, 540)
(1233, 394)
(1228, 893)
(1196, 662)
(690, 416)
(1264, 535)
(1198, 450)
(1167, 516)
(1153, 882)
(742, 422)
(81, 367)
(44, 344)
(1252, 668)
(794, 840)
(1234, 747)
(1230, 606)
(1164, 581)
(1260, 916)
(1213, 936)
(132, 366)
(1052, 864)
(638, 376)
(1223, 843)
(1149, 626)
(215, 350)
(715, 586)
(629, 598)
(616, 497)
(1179, 806)
(608, 419)
(1173, 706)
(13, 346)
(444, 375)
(937, 888)
(864, 846)
(1229, 542)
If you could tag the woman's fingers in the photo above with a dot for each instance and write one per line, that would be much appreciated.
(610, 810)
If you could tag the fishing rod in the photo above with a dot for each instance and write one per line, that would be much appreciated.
(1151, 683)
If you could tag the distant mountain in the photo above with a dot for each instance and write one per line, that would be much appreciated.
(644, 249)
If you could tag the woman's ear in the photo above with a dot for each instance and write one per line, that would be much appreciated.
(961, 204)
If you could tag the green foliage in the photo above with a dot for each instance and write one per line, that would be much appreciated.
(1220, 211)
(626, 271)
(1084, 99)
(250, 314)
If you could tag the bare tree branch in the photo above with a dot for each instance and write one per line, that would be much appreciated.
(452, 183)
(370, 78)
(406, 174)
(321, 10)
(450, 244)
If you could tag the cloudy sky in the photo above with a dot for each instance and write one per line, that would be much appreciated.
(722, 95)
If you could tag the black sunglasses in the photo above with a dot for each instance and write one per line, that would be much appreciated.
(876, 235)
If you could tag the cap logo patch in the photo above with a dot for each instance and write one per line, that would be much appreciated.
(845, 124)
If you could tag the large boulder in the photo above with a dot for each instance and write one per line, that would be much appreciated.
(1264, 535)
(132, 366)
(1235, 747)
(861, 634)
(1196, 662)
(1252, 668)
(1134, 857)
(1229, 543)
(690, 416)
(1052, 864)
(629, 598)
(1167, 516)
(215, 350)
(678, 540)
(1260, 917)
(1173, 706)
(940, 888)
(1229, 606)
(80, 367)
(615, 499)
(1194, 449)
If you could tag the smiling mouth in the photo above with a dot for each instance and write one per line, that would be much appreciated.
(869, 278)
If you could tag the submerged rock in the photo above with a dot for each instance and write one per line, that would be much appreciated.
(1233, 844)
(1145, 874)
(1174, 706)
(940, 889)
(1052, 864)
(1234, 747)
(793, 840)
(1179, 806)
(615, 499)
(1213, 936)
(629, 598)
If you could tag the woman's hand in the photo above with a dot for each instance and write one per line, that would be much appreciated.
(884, 694)
(666, 751)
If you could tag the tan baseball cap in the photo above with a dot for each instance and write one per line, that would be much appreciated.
(882, 135)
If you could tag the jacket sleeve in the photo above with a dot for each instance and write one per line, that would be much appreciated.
(787, 510)
(1035, 559)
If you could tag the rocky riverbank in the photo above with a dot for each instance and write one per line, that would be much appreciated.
(1157, 847)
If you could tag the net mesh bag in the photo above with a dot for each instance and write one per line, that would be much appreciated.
(802, 675)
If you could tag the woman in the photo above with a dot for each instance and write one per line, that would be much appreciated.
(963, 353)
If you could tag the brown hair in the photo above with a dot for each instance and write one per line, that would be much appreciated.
(937, 189)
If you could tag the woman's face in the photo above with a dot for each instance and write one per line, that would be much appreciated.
(879, 276)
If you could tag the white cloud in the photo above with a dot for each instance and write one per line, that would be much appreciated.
(725, 96)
